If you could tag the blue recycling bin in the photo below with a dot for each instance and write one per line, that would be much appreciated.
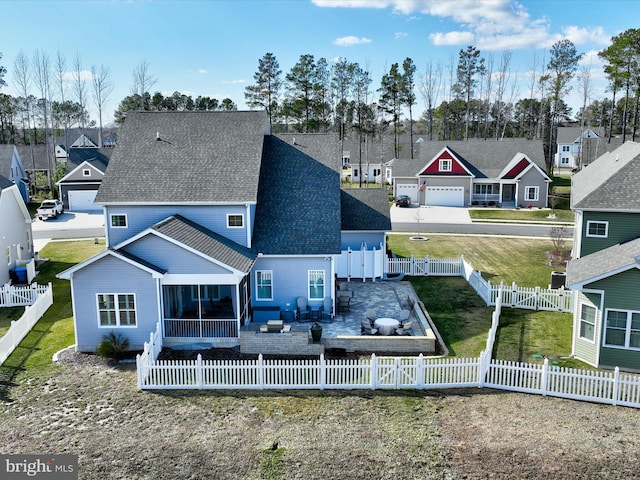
(21, 274)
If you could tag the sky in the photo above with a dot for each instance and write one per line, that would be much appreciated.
(212, 48)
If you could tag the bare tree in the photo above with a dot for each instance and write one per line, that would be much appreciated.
(22, 78)
(486, 105)
(533, 80)
(102, 88)
(504, 75)
(80, 86)
(430, 86)
(61, 67)
(143, 81)
(42, 78)
(585, 88)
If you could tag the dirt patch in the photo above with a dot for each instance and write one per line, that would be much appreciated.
(92, 409)
(559, 258)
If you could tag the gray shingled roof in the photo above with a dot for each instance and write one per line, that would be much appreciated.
(97, 157)
(365, 209)
(207, 242)
(298, 211)
(6, 155)
(5, 182)
(603, 262)
(609, 183)
(488, 156)
(35, 157)
(201, 157)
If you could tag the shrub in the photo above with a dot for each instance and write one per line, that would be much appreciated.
(113, 346)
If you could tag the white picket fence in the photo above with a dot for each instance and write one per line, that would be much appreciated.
(531, 298)
(20, 295)
(19, 328)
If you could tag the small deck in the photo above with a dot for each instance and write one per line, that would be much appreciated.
(343, 333)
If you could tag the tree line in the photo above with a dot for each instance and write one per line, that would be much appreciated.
(475, 95)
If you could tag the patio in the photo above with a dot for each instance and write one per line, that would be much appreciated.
(343, 333)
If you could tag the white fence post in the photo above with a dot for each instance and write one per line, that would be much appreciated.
(545, 377)
(260, 372)
(420, 372)
(374, 371)
(323, 371)
(199, 380)
(616, 386)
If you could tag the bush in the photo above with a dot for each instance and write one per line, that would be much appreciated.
(113, 346)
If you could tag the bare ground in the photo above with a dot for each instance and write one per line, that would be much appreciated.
(92, 408)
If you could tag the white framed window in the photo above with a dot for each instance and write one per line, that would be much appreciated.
(316, 284)
(444, 165)
(482, 189)
(566, 148)
(587, 322)
(116, 309)
(622, 329)
(235, 220)
(564, 161)
(86, 172)
(118, 220)
(264, 285)
(597, 229)
(531, 194)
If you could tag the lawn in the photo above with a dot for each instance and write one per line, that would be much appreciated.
(523, 214)
(521, 260)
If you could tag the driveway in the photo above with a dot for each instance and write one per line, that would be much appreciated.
(429, 214)
(67, 225)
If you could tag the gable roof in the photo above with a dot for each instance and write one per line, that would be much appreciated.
(603, 263)
(365, 209)
(137, 262)
(5, 182)
(97, 157)
(186, 158)
(6, 159)
(572, 134)
(484, 158)
(519, 165)
(207, 242)
(93, 163)
(34, 157)
(298, 211)
(609, 183)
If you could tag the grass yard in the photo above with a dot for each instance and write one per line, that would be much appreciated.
(523, 214)
(520, 260)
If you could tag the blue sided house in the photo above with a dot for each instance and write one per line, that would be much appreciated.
(213, 222)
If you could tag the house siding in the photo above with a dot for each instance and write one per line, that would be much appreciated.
(583, 349)
(213, 217)
(15, 233)
(354, 240)
(171, 257)
(622, 227)
(112, 275)
(621, 293)
(532, 179)
(290, 279)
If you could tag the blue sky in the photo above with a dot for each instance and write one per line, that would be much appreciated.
(212, 48)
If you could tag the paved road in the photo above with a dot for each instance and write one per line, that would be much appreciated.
(67, 225)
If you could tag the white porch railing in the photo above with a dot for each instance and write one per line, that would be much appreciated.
(20, 295)
(19, 328)
(201, 328)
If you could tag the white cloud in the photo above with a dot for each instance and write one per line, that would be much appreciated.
(72, 76)
(202, 71)
(232, 82)
(351, 40)
(451, 38)
(398, 35)
(581, 36)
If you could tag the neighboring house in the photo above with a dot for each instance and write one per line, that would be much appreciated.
(16, 244)
(212, 222)
(86, 168)
(578, 147)
(507, 173)
(12, 168)
(606, 260)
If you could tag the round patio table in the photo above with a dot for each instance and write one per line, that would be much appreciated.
(386, 326)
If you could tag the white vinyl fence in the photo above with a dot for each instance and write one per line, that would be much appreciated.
(20, 328)
(20, 295)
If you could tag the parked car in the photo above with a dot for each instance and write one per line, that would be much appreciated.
(50, 209)
(403, 201)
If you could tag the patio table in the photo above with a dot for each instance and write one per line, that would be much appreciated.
(386, 326)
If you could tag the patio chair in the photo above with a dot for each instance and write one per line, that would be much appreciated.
(371, 315)
(403, 317)
(326, 310)
(302, 309)
(344, 304)
(369, 330)
(406, 329)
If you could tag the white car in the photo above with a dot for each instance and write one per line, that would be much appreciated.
(50, 209)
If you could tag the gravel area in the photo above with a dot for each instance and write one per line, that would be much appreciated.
(89, 406)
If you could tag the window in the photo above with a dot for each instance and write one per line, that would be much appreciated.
(316, 284)
(235, 221)
(119, 221)
(564, 161)
(86, 172)
(264, 286)
(566, 148)
(116, 310)
(445, 165)
(587, 322)
(481, 189)
(531, 193)
(597, 229)
(207, 292)
(623, 329)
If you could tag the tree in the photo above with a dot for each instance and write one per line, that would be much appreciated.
(102, 88)
(342, 85)
(301, 79)
(80, 86)
(42, 77)
(266, 91)
(470, 64)
(561, 69)
(363, 113)
(391, 101)
(143, 82)
(430, 87)
(408, 96)
(3, 70)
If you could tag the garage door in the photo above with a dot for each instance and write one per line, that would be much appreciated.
(82, 201)
(445, 196)
(411, 190)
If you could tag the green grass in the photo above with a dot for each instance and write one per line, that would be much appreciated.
(7, 315)
(54, 331)
(531, 215)
(520, 260)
